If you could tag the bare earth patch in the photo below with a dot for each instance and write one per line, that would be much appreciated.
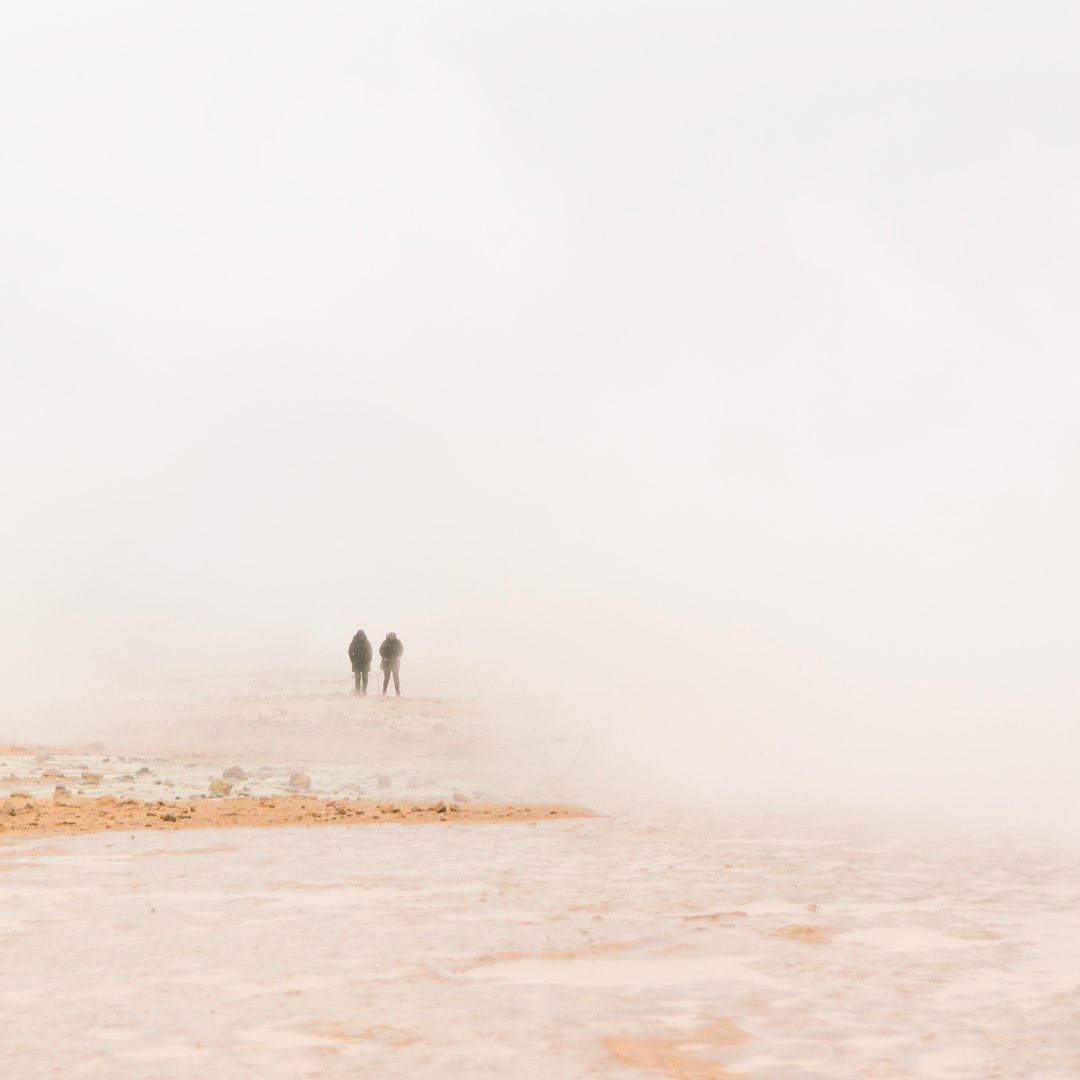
(809, 935)
(21, 815)
(682, 1057)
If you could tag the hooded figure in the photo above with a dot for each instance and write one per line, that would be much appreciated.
(360, 657)
(390, 651)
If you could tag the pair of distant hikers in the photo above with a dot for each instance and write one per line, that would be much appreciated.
(360, 655)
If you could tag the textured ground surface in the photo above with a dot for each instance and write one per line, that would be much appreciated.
(638, 943)
(106, 814)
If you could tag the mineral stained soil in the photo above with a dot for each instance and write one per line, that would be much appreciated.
(513, 936)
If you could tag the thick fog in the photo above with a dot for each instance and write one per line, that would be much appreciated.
(721, 354)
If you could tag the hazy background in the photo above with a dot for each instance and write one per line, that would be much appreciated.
(712, 347)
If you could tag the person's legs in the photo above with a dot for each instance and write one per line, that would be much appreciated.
(356, 675)
(385, 680)
(397, 682)
(364, 673)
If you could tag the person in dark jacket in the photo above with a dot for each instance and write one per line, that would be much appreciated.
(360, 657)
(390, 651)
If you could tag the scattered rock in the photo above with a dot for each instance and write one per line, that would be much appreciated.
(52, 774)
(220, 787)
(167, 781)
(144, 771)
(383, 781)
(59, 790)
(91, 778)
(460, 796)
(96, 747)
(168, 817)
(299, 780)
(264, 772)
(8, 808)
(234, 773)
(40, 758)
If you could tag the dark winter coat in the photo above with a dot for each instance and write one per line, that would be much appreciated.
(360, 652)
(390, 651)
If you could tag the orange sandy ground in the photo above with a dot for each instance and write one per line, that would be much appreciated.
(68, 814)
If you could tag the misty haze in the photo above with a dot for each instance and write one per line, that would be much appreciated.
(691, 388)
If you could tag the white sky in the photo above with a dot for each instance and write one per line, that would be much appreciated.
(583, 344)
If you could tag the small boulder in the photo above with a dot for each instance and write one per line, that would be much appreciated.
(460, 796)
(220, 787)
(91, 778)
(383, 781)
(299, 780)
(234, 773)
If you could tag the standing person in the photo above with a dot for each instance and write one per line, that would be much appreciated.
(390, 651)
(360, 656)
